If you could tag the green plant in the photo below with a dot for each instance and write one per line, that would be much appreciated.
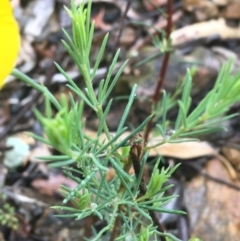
(126, 200)
(7, 214)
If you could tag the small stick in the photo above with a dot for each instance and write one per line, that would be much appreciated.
(163, 70)
(136, 153)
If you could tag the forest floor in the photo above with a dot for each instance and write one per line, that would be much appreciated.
(205, 34)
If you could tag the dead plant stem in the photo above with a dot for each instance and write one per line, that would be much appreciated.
(136, 153)
(155, 97)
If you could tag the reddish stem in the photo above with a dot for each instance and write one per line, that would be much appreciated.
(163, 70)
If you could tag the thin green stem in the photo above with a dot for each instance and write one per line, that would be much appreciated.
(26, 79)
(97, 105)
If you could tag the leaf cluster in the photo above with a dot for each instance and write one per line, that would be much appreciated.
(209, 113)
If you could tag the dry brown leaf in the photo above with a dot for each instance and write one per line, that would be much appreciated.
(189, 150)
(204, 30)
(203, 9)
(233, 155)
(220, 2)
(184, 150)
(233, 11)
(25, 137)
(111, 173)
(191, 4)
(52, 185)
(40, 150)
(213, 207)
(128, 36)
(99, 23)
(232, 172)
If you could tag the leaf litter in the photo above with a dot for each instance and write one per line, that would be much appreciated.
(205, 34)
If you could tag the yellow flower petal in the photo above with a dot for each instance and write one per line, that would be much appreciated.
(9, 40)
